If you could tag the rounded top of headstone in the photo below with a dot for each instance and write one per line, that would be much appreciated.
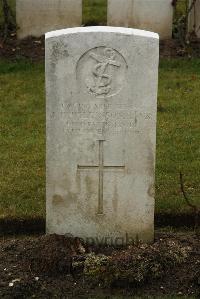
(102, 29)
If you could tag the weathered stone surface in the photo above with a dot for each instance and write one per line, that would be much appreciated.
(36, 17)
(152, 15)
(101, 87)
(194, 18)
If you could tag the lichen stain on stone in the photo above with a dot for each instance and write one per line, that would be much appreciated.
(59, 47)
(58, 222)
(115, 200)
(89, 184)
(92, 146)
(78, 182)
(70, 197)
(150, 160)
(151, 190)
(57, 200)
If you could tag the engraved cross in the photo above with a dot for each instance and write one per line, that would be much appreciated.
(101, 168)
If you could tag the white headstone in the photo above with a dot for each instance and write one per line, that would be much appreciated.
(152, 15)
(101, 87)
(36, 17)
(194, 18)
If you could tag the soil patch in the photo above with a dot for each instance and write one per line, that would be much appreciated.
(34, 48)
(172, 48)
(35, 226)
(31, 48)
(64, 267)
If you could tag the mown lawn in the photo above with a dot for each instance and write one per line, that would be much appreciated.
(22, 155)
(94, 12)
(178, 134)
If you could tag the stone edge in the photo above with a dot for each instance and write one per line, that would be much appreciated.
(102, 29)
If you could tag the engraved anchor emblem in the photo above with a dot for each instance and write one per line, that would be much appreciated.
(101, 84)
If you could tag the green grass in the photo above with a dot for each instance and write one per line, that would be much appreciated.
(178, 141)
(22, 117)
(22, 109)
(95, 12)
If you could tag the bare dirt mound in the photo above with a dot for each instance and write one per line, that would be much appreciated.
(64, 267)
